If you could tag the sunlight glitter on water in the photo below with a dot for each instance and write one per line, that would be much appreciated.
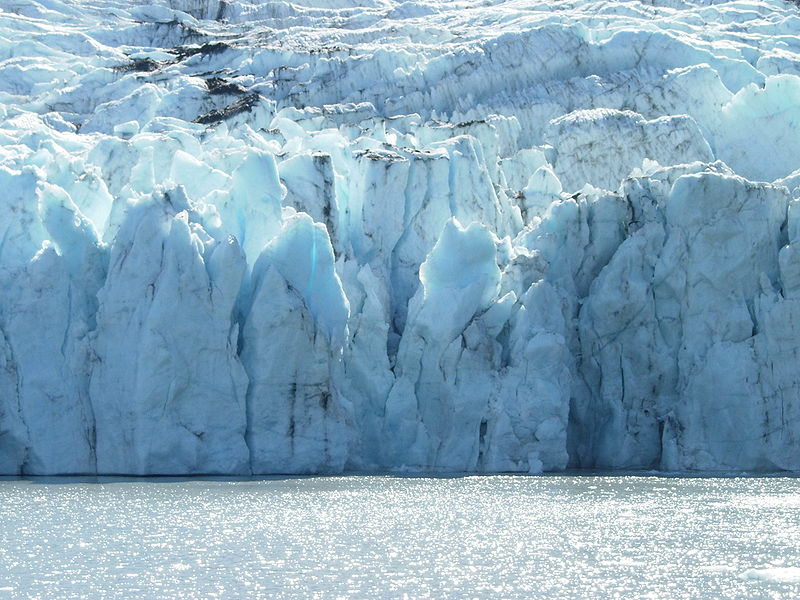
(555, 536)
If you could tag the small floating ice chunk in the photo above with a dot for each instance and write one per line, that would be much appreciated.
(773, 574)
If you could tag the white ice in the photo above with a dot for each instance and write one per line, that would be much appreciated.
(273, 237)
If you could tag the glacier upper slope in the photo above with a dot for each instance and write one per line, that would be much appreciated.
(325, 235)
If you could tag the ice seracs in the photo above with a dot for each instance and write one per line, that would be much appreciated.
(296, 325)
(321, 236)
(167, 387)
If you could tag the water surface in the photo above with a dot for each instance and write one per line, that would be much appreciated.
(557, 536)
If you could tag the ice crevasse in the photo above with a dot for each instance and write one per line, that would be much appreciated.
(335, 235)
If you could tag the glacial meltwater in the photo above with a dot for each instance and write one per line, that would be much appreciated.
(560, 536)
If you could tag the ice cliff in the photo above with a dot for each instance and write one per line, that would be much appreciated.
(325, 235)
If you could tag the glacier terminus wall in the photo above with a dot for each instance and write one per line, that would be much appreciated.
(262, 237)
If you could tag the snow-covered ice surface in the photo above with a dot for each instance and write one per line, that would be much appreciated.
(326, 235)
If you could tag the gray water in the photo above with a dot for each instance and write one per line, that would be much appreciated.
(402, 537)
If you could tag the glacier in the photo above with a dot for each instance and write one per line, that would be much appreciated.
(265, 237)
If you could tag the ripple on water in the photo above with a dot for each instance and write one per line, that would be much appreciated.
(490, 537)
